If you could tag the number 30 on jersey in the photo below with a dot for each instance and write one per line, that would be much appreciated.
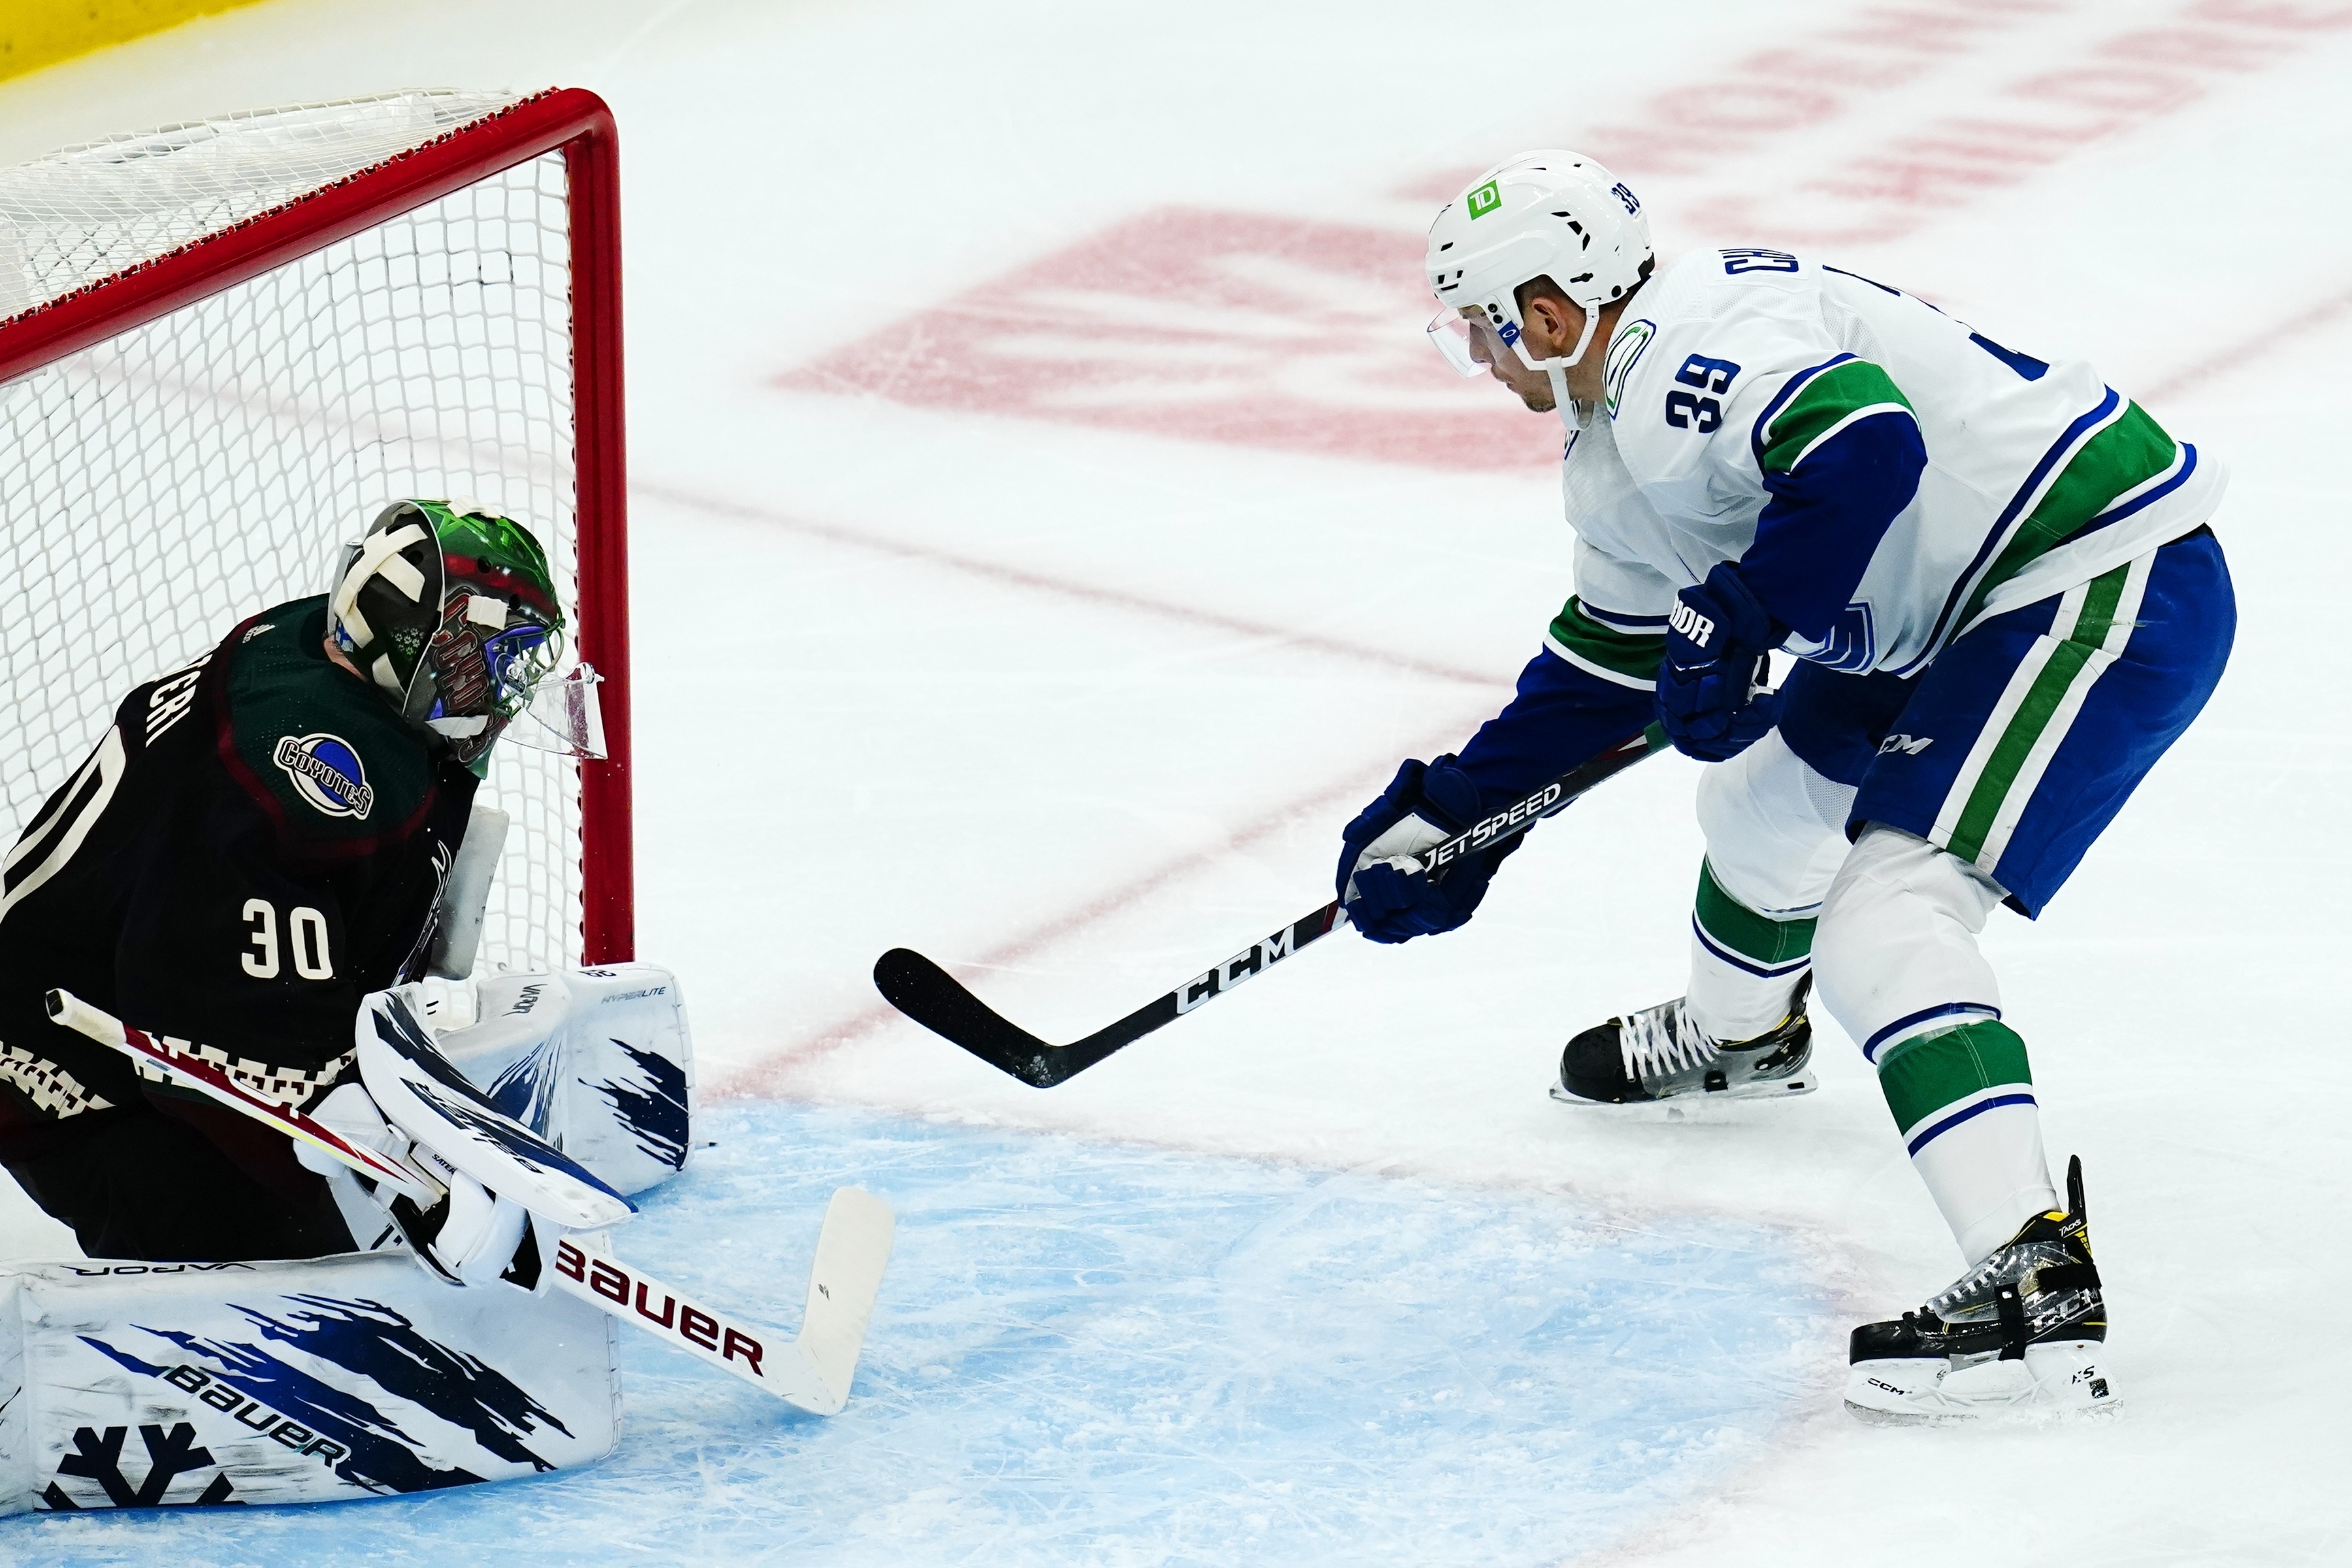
(306, 943)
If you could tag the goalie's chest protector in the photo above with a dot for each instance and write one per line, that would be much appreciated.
(257, 841)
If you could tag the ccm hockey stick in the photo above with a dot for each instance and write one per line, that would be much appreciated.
(811, 1371)
(935, 999)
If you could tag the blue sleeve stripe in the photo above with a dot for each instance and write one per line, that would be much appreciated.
(2082, 430)
(1796, 384)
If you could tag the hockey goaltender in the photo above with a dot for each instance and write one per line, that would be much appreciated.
(268, 852)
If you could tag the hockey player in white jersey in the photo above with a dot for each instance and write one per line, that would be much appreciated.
(2004, 603)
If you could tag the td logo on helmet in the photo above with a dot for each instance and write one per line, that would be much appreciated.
(1484, 199)
(326, 774)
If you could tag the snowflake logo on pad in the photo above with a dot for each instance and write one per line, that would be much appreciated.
(326, 772)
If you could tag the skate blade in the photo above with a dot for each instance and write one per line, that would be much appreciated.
(2063, 1381)
(1675, 1105)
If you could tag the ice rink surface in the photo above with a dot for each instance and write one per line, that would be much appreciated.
(1049, 528)
(1094, 1354)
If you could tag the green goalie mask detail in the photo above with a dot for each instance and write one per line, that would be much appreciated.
(451, 612)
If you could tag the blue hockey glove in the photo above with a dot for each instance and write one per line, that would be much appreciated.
(1424, 805)
(1718, 639)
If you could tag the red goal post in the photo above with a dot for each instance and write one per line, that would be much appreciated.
(218, 332)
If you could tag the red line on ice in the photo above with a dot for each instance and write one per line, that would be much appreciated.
(2245, 351)
(1064, 587)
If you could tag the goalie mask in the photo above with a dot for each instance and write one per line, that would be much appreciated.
(451, 612)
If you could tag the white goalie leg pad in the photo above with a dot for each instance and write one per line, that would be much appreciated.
(598, 1061)
(1775, 837)
(333, 1379)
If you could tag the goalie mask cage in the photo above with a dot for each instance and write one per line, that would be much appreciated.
(224, 346)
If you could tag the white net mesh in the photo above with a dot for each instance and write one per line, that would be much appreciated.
(162, 486)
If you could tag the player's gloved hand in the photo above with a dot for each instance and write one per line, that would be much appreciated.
(1389, 897)
(1717, 640)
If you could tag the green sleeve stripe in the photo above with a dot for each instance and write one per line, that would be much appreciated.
(1614, 656)
(1840, 393)
(1735, 926)
(2121, 457)
(1922, 1075)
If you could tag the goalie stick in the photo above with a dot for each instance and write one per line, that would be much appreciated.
(811, 1371)
(177, 1062)
(937, 999)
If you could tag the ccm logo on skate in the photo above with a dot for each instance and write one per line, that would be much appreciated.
(1250, 961)
(276, 1427)
(692, 1324)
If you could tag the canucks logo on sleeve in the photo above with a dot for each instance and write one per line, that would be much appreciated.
(327, 773)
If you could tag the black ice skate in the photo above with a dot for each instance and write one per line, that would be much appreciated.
(1657, 1054)
(2023, 1331)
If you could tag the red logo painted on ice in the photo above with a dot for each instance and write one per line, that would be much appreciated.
(1207, 326)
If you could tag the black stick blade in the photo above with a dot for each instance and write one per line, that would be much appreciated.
(935, 999)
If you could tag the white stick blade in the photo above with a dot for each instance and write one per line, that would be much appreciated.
(852, 1251)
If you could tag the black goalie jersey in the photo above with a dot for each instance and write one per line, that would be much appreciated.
(256, 842)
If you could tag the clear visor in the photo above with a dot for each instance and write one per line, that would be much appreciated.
(563, 717)
(1450, 331)
(519, 658)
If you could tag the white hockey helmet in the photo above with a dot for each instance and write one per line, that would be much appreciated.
(1548, 214)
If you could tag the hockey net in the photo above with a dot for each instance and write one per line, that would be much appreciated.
(224, 346)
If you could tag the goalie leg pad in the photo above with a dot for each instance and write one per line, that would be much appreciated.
(170, 1384)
